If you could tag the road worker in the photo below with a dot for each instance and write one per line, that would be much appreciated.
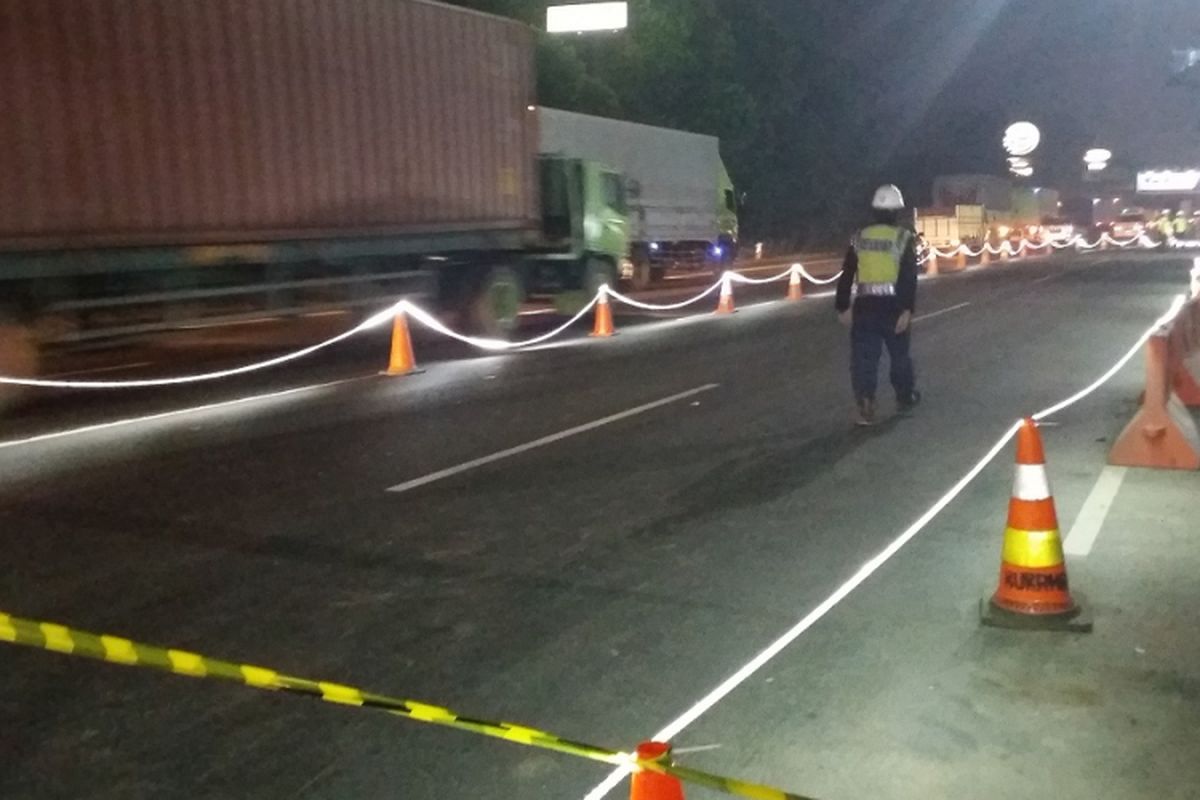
(880, 270)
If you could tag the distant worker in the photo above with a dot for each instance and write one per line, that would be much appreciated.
(1181, 225)
(1166, 228)
(881, 269)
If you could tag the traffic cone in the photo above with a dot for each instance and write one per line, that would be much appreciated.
(795, 286)
(1033, 592)
(985, 257)
(402, 361)
(961, 261)
(932, 268)
(603, 326)
(649, 785)
(725, 304)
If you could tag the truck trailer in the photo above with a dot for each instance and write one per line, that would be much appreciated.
(168, 162)
(682, 203)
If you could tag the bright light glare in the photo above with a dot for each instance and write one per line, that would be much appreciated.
(1097, 155)
(1022, 138)
(585, 17)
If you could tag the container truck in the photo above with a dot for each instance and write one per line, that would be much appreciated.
(169, 162)
(682, 203)
(952, 227)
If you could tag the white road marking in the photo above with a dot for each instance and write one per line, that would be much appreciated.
(1045, 278)
(1095, 509)
(545, 440)
(938, 313)
(122, 423)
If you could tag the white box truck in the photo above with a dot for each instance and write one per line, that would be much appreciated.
(682, 203)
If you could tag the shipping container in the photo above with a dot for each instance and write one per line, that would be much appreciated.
(168, 163)
(192, 122)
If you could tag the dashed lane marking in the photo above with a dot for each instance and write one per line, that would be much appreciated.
(475, 463)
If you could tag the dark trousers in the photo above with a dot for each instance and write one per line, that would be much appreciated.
(873, 328)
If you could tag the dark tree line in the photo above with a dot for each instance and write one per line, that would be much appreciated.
(743, 70)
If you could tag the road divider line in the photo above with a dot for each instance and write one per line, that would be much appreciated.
(1082, 537)
(475, 463)
(938, 313)
(122, 423)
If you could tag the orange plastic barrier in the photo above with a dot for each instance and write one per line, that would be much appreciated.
(1163, 434)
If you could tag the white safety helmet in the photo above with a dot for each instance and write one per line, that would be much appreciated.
(888, 198)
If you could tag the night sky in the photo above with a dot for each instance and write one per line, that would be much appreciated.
(949, 75)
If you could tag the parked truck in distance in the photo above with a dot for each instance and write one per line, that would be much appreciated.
(951, 227)
(170, 166)
(682, 203)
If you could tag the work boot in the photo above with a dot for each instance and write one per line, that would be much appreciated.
(866, 413)
(907, 404)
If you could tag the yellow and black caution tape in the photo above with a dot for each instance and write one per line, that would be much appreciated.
(117, 650)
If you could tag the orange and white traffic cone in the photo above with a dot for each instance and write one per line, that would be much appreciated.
(1033, 592)
(725, 304)
(603, 326)
(961, 260)
(401, 361)
(795, 285)
(649, 785)
(931, 263)
(985, 257)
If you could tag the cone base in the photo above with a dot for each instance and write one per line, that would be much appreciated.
(1075, 621)
(387, 373)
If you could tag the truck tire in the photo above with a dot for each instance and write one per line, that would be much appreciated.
(19, 358)
(643, 274)
(494, 306)
(598, 272)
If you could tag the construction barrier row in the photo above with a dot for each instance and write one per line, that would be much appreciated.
(1162, 433)
(402, 360)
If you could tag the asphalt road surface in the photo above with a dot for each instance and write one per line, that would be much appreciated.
(585, 538)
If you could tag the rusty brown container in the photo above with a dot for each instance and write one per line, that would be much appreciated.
(160, 122)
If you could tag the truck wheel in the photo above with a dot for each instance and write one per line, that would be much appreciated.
(495, 306)
(18, 358)
(596, 273)
(643, 274)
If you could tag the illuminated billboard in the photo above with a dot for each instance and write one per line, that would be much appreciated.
(1169, 180)
(587, 17)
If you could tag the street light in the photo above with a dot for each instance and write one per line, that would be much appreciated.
(1022, 138)
(587, 17)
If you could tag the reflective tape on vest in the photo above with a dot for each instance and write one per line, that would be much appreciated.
(877, 289)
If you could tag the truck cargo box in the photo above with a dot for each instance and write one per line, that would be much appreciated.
(145, 122)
